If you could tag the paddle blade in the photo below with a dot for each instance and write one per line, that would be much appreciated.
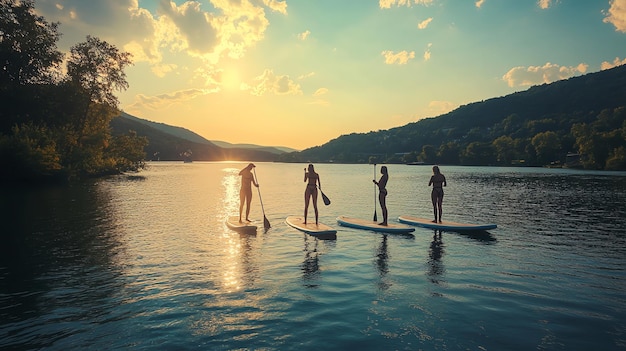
(326, 199)
(375, 217)
(266, 223)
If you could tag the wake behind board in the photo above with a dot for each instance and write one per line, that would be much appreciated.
(371, 225)
(297, 222)
(243, 227)
(445, 225)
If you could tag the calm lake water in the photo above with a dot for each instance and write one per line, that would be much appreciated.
(145, 262)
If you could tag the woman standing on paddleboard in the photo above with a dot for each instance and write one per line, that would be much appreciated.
(245, 193)
(382, 192)
(311, 191)
(438, 181)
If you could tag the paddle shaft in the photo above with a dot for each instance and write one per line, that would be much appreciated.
(266, 223)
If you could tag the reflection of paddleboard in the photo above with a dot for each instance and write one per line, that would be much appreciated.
(309, 228)
(243, 227)
(371, 225)
(445, 225)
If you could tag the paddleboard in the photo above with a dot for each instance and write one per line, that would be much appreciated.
(233, 223)
(297, 222)
(371, 225)
(445, 225)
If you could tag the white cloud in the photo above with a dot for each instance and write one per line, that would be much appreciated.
(160, 70)
(228, 28)
(479, 3)
(427, 52)
(424, 23)
(320, 92)
(615, 63)
(387, 4)
(436, 108)
(617, 15)
(164, 101)
(307, 75)
(400, 58)
(544, 4)
(269, 83)
(548, 73)
(276, 6)
(304, 35)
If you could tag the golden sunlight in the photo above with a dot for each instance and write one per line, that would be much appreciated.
(230, 79)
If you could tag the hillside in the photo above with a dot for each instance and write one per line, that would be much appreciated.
(169, 143)
(581, 115)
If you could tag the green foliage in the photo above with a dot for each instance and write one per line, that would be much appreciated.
(55, 126)
(28, 52)
(127, 151)
(30, 151)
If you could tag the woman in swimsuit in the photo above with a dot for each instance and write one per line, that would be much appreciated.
(438, 181)
(382, 192)
(311, 190)
(245, 193)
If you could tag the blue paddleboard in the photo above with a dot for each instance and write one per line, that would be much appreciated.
(445, 225)
(365, 224)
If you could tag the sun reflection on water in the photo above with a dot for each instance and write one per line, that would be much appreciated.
(232, 270)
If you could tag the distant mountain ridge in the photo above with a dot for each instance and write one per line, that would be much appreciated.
(170, 143)
(196, 138)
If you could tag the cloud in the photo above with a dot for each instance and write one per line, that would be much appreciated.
(436, 108)
(197, 29)
(615, 63)
(479, 3)
(424, 23)
(534, 75)
(121, 23)
(427, 52)
(164, 101)
(387, 4)
(544, 4)
(304, 35)
(320, 92)
(269, 83)
(617, 15)
(400, 58)
(276, 6)
(160, 70)
(307, 75)
(318, 97)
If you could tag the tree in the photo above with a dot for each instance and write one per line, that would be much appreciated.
(28, 51)
(504, 149)
(547, 146)
(448, 153)
(428, 154)
(29, 62)
(478, 153)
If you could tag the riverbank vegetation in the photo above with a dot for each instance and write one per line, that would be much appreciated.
(56, 109)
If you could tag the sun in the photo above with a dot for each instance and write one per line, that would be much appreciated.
(230, 79)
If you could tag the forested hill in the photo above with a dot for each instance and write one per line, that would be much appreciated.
(169, 143)
(584, 115)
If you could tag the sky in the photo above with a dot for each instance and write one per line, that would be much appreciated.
(299, 73)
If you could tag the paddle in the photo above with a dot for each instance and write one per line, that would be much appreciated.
(266, 223)
(375, 186)
(324, 197)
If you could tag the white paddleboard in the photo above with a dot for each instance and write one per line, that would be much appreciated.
(297, 222)
(371, 225)
(244, 226)
(445, 225)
